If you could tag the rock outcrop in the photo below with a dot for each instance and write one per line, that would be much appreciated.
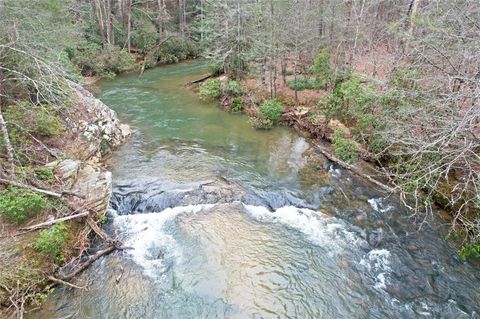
(97, 126)
(96, 132)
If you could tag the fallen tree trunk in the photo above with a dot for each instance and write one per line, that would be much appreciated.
(100, 233)
(206, 77)
(88, 262)
(39, 190)
(149, 54)
(353, 169)
(59, 281)
(33, 189)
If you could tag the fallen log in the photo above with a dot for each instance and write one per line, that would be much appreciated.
(352, 168)
(38, 190)
(33, 189)
(100, 233)
(88, 262)
(206, 77)
(149, 54)
(66, 283)
(51, 222)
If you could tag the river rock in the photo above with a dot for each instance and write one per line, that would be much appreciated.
(67, 170)
(94, 183)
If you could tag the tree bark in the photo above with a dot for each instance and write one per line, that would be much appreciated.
(8, 145)
(129, 24)
(412, 11)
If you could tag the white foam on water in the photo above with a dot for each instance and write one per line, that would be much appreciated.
(146, 235)
(320, 229)
(335, 172)
(378, 205)
(377, 261)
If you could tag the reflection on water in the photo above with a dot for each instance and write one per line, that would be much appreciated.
(230, 222)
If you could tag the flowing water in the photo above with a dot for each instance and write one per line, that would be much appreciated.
(229, 222)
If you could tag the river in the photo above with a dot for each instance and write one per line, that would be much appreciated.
(231, 222)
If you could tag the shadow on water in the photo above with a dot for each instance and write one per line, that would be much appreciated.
(230, 222)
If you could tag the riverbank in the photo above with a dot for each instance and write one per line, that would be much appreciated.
(302, 112)
(74, 187)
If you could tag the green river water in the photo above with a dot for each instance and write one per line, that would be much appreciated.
(230, 222)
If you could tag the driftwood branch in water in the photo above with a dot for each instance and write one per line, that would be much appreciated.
(100, 233)
(149, 54)
(88, 262)
(353, 169)
(51, 222)
(66, 283)
(206, 77)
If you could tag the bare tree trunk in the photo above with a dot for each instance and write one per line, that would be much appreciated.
(98, 13)
(110, 22)
(275, 79)
(181, 16)
(121, 11)
(320, 22)
(295, 78)
(357, 28)
(129, 24)
(8, 145)
(106, 15)
(270, 77)
(412, 11)
(201, 20)
(264, 71)
(332, 19)
(161, 9)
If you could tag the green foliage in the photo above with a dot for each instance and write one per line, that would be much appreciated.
(103, 219)
(24, 119)
(406, 78)
(349, 100)
(143, 34)
(237, 104)
(271, 110)
(215, 69)
(211, 89)
(470, 250)
(46, 124)
(94, 60)
(44, 174)
(300, 84)
(51, 241)
(176, 50)
(359, 106)
(16, 204)
(345, 149)
(232, 88)
(322, 67)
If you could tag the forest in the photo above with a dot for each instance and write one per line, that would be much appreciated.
(389, 84)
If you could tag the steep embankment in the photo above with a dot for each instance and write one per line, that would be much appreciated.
(91, 131)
